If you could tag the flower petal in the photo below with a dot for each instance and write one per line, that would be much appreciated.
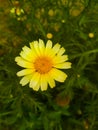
(41, 46)
(23, 63)
(35, 80)
(56, 48)
(50, 80)
(25, 80)
(49, 44)
(25, 72)
(32, 47)
(44, 83)
(36, 88)
(28, 56)
(36, 47)
(59, 59)
(61, 51)
(48, 47)
(53, 51)
(65, 65)
(28, 51)
(58, 75)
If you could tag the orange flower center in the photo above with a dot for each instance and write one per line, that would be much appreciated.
(43, 65)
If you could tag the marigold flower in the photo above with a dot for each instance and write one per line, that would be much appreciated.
(42, 64)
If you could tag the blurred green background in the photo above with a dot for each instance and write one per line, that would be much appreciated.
(72, 105)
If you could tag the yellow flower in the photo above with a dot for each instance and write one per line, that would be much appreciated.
(42, 64)
(17, 11)
(49, 35)
(91, 35)
(12, 10)
(51, 12)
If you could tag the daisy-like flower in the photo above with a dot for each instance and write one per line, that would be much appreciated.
(42, 64)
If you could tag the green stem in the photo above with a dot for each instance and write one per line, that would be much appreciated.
(85, 53)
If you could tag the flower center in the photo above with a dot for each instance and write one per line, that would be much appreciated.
(43, 64)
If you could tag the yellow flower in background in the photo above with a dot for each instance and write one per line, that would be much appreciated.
(91, 35)
(42, 64)
(17, 11)
(49, 35)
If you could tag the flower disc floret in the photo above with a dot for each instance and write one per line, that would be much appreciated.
(43, 64)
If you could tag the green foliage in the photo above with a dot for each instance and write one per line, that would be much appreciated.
(72, 105)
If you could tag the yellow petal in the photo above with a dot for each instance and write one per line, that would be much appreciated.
(35, 80)
(41, 46)
(48, 47)
(23, 63)
(44, 83)
(36, 47)
(53, 51)
(50, 80)
(17, 58)
(49, 44)
(56, 48)
(32, 47)
(59, 59)
(58, 75)
(61, 51)
(65, 65)
(25, 80)
(25, 72)
(28, 56)
(36, 88)
(26, 49)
